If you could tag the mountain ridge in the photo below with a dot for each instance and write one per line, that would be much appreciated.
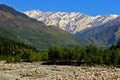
(71, 22)
(32, 32)
(106, 34)
(98, 30)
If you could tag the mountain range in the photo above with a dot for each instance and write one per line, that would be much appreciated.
(71, 22)
(98, 30)
(44, 29)
(19, 27)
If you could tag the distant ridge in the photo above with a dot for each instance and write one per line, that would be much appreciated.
(98, 30)
(71, 22)
(18, 26)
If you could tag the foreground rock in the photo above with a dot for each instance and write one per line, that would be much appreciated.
(36, 71)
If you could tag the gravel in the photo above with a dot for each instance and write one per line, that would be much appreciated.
(36, 71)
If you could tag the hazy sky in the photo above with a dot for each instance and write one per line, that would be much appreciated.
(90, 7)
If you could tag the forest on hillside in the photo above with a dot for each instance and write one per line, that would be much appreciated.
(13, 51)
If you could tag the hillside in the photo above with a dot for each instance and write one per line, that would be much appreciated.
(18, 26)
(6, 44)
(103, 35)
(11, 50)
(98, 30)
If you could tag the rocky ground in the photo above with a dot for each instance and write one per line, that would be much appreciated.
(36, 71)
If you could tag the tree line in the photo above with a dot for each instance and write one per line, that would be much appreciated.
(13, 51)
(88, 55)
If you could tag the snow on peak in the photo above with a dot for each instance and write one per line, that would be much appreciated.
(70, 21)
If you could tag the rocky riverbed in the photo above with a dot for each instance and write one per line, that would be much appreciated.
(36, 71)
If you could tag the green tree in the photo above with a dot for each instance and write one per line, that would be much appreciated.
(54, 53)
(107, 56)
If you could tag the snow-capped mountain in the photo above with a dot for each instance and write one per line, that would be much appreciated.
(103, 35)
(72, 22)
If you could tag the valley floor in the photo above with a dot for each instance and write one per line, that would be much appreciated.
(36, 71)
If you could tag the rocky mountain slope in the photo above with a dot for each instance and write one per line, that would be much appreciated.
(98, 30)
(72, 22)
(18, 26)
(106, 34)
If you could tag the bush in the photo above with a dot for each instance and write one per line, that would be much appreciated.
(10, 59)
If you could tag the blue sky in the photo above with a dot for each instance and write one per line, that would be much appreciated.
(89, 7)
